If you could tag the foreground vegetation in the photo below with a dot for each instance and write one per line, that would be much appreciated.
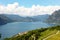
(38, 34)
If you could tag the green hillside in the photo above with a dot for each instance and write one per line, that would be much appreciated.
(50, 33)
(54, 37)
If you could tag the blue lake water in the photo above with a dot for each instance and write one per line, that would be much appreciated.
(11, 29)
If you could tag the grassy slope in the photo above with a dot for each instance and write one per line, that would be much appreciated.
(54, 37)
(37, 34)
(46, 33)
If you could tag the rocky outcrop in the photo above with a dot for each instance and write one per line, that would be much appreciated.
(55, 17)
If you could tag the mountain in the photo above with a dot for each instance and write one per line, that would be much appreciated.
(50, 33)
(27, 19)
(41, 17)
(4, 19)
(13, 17)
(55, 17)
(17, 18)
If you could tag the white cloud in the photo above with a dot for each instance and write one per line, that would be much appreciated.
(23, 11)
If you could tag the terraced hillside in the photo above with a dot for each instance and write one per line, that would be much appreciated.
(54, 37)
(50, 33)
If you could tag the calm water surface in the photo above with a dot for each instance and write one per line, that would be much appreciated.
(11, 29)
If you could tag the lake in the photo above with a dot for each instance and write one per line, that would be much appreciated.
(11, 29)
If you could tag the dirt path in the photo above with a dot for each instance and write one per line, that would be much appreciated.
(51, 35)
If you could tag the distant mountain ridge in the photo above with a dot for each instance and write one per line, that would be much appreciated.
(41, 17)
(16, 18)
(27, 19)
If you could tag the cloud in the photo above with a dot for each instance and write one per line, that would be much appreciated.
(23, 11)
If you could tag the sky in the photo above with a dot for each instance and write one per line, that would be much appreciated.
(29, 7)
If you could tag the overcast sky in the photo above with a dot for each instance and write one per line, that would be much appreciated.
(29, 7)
